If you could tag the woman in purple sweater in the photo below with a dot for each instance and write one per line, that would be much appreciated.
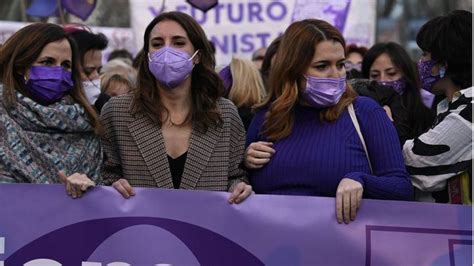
(303, 141)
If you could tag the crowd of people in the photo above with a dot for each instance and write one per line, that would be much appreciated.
(309, 115)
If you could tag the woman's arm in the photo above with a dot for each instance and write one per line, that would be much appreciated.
(389, 180)
(238, 182)
(5, 176)
(111, 170)
(257, 153)
(236, 155)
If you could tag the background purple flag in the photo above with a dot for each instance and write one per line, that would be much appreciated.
(46, 8)
(203, 5)
(43, 8)
(81, 8)
(334, 12)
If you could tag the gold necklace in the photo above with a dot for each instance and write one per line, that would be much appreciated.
(173, 123)
(178, 125)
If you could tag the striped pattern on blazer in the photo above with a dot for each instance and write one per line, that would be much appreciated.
(135, 150)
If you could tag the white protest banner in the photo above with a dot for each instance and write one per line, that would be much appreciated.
(239, 27)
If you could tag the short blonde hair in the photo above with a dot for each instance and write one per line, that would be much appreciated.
(247, 86)
(118, 66)
(110, 82)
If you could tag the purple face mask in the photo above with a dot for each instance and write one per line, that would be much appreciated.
(324, 92)
(170, 66)
(427, 98)
(428, 80)
(398, 85)
(47, 85)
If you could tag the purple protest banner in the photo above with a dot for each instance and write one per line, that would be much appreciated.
(40, 225)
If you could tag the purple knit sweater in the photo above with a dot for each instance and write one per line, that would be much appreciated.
(317, 155)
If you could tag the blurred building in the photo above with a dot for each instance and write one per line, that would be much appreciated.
(400, 20)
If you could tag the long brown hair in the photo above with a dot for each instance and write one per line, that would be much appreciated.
(411, 99)
(20, 52)
(206, 86)
(293, 58)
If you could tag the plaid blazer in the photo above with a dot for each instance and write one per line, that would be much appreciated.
(135, 150)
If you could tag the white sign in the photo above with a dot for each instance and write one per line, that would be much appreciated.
(239, 27)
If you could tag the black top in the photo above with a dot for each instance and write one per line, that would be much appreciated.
(176, 168)
(101, 101)
(406, 122)
(246, 115)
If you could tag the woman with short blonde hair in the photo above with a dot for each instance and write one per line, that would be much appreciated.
(247, 88)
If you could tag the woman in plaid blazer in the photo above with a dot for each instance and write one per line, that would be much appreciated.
(175, 130)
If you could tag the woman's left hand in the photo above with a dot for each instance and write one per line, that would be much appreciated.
(76, 184)
(348, 199)
(240, 192)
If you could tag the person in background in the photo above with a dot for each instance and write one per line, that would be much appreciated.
(257, 57)
(90, 46)
(175, 131)
(122, 54)
(118, 67)
(115, 85)
(440, 159)
(48, 130)
(268, 60)
(389, 64)
(355, 55)
(244, 87)
(226, 75)
(314, 136)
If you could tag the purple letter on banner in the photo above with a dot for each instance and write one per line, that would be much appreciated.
(255, 10)
(271, 11)
(240, 11)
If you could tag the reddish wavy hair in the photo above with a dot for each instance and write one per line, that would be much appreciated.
(291, 62)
